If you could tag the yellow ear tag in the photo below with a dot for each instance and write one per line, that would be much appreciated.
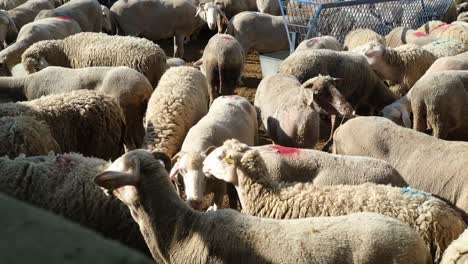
(229, 160)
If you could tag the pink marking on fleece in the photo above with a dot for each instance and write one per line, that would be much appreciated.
(442, 26)
(63, 18)
(228, 37)
(420, 35)
(285, 151)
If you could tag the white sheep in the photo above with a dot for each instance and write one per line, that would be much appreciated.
(452, 31)
(359, 84)
(425, 162)
(181, 235)
(97, 49)
(323, 42)
(436, 222)
(286, 164)
(175, 18)
(444, 48)
(399, 111)
(87, 13)
(229, 8)
(439, 101)
(228, 117)
(180, 100)
(289, 111)
(82, 121)
(429, 26)
(403, 35)
(402, 66)
(43, 29)
(458, 62)
(62, 184)
(25, 13)
(222, 63)
(128, 87)
(25, 135)
(457, 252)
(48, 237)
(269, 34)
(360, 37)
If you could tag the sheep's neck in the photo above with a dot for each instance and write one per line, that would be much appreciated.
(161, 215)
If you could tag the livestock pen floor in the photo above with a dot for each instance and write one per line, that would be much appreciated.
(251, 77)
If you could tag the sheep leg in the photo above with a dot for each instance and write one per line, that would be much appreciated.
(329, 142)
(178, 46)
(419, 117)
(218, 199)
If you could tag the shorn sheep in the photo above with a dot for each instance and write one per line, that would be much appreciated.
(444, 48)
(289, 111)
(457, 252)
(97, 49)
(87, 13)
(128, 87)
(439, 101)
(436, 222)
(360, 85)
(458, 62)
(223, 61)
(286, 164)
(181, 235)
(180, 100)
(25, 13)
(43, 29)
(228, 117)
(425, 162)
(175, 18)
(402, 66)
(25, 135)
(360, 37)
(76, 118)
(402, 35)
(62, 184)
(323, 42)
(50, 238)
(269, 34)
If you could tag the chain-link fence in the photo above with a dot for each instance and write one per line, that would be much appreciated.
(305, 18)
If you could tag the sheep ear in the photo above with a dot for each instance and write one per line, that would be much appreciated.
(111, 180)
(406, 119)
(174, 172)
(209, 150)
(200, 8)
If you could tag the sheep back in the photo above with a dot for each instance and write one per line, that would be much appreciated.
(98, 49)
(457, 252)
(359, 37)
(180, 100)
(63, 184)
(46, 236)
(82, 121)
(25, 135)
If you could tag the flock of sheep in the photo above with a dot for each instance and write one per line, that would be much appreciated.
(77, 91)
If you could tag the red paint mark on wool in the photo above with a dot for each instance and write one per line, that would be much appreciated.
(63, 18)
(285, 151)
(420, 35)
(228, 37)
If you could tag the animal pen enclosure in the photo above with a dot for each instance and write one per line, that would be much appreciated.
(305, 19)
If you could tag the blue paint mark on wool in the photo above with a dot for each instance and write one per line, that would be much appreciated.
(411, 191)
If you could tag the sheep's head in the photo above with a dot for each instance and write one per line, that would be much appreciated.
(398, 114)
(322, 91)
(189, 165)
(374, 53)
(209, 13)
(223, 161)
(34, 64)
(125, 176)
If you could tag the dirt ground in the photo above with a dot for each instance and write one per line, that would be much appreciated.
(251, 77)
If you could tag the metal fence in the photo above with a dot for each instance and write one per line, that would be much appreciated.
(305, 19)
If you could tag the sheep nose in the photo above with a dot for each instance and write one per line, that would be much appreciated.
(195, 204)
